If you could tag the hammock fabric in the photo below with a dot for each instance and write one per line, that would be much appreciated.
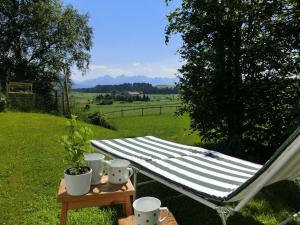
(203, 172)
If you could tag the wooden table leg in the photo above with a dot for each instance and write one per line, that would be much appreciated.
(124, 210)
(128, 207)
(64, 214)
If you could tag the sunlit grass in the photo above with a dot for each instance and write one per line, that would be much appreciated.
(31, 167)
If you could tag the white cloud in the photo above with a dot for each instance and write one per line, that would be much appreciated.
(161, 69)
(170, 70)
(148, 69)
(136, 64)
(94, 67)
(97, 71)
(143, 67)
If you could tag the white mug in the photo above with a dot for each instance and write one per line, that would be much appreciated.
(95, 161)
(119, 171)
(147, 211)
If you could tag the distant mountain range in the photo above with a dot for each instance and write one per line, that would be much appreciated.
(109, 80)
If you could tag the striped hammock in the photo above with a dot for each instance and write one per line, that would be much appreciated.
(204, 172)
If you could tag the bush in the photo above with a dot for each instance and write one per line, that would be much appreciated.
(87, 107)
(20, 102)
(2, 102)
(105, 102)
(2, 105)
(97, 119)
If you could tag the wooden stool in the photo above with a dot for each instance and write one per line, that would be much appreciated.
(99, 195)
(170, 220)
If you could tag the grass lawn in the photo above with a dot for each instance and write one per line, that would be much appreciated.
(165, 126)
(31, 167)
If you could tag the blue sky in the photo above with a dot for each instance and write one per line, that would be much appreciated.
(129, 38)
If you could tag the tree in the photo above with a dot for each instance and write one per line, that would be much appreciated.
(237, 82)
(41, 39)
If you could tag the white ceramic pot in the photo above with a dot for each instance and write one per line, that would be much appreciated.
(95, 161)
(118, 171)
(78, 184)
(147, 211)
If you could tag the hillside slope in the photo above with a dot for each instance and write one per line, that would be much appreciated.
(31, 165)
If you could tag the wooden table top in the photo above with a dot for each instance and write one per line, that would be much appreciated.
(104, 189)
(170, 220)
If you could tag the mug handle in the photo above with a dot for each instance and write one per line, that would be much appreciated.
(164, 209)
(130, 172)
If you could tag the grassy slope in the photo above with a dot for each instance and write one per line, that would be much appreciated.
(31, 166)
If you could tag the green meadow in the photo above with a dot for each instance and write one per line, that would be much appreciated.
(80, 100)
(31, 166)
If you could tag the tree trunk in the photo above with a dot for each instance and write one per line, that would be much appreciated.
(236, 110)
(67, 95)
(63, 101)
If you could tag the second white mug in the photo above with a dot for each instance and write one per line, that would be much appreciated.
(119, 171)
(147, 211)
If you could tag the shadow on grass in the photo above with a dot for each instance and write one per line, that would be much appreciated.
(190, 212)
(282, 199)
(284, 194)
(272, 205)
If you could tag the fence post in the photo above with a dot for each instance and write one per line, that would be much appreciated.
(122, 113)
(62, 101)
(142, 111)
(160, 109)
(56, 100)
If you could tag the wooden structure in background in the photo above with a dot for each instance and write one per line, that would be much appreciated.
(20, 95)
(99, 195)
(19, 88)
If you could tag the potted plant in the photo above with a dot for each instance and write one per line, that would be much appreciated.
(76, 143)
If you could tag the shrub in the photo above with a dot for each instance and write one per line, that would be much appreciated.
(87, 107)
(2, 104)
(97, 119)
(105, 102)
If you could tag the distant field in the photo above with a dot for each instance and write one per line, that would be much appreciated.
(80, 100)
